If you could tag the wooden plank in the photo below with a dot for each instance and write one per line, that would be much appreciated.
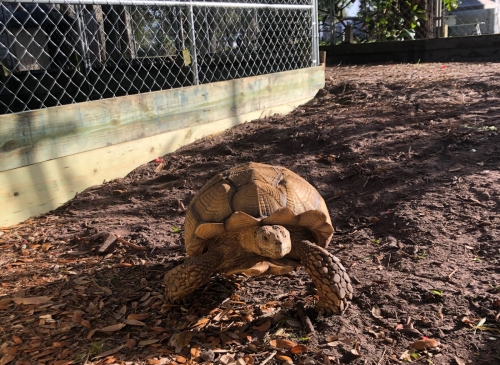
(41, 135)
(32, 190)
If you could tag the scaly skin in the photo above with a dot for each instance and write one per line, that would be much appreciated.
(327, 273)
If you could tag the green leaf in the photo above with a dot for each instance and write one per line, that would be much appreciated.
(175, 229)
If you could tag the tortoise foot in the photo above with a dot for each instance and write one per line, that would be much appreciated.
(329, 277)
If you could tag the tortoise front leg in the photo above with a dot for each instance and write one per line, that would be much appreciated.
(328, 274)
(182, 280)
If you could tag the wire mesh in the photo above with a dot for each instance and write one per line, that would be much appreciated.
(62, 52)
(473, 17)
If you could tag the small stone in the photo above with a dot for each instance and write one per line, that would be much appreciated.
(207, 355)
(336, 278)
(324, 270)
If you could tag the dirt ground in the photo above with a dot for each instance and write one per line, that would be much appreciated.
(407, 158)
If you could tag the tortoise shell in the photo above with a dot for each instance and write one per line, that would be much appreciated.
(255, 194)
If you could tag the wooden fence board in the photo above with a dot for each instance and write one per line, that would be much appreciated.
(41, 135)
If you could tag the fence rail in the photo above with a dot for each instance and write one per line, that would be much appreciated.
(55, 52)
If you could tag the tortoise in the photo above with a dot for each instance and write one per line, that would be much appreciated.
(258, 219)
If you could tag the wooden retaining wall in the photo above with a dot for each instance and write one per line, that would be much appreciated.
(47, 156)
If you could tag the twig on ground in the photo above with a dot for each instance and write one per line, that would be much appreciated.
(130, 244)
(453, 272)
(269, 358)
(304, 318)
(382, 357)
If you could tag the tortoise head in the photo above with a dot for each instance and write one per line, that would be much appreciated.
(273, 241)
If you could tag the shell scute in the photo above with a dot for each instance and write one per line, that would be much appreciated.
(255, 194)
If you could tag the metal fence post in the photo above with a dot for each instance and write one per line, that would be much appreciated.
(438, 23)
(333, 35)
(193, 46)
(315, 35)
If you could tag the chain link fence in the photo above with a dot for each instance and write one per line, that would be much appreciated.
(57, 52)
(474, 17)
(397, 20)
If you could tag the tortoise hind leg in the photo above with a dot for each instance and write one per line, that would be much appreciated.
(328, 274)
(182, 280)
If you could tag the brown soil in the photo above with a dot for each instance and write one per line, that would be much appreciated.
(408, 160)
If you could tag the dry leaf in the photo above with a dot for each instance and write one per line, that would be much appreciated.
(31, 300)
(282, 344)
(106, 290)
(162, 361)
(81, 281)
(17, 340)
(66, 353)
(459, 361)
(195, 351)
(264, 327)
(407, 355)
(181, 359)
(46, 246)
(284, 358)
(11, 351)
(299, 349)
(158, 329)
(376, 312)
(63, 362)
(77, 316)
(61, 344)
(131, 343)
(90, 334)
(121, 312)
(109, 352)
(112, 328)
(86, 324)
(226, 359)
(6, 359)
(201, 322)
(424, 344)
(333, 338)
(355, 353)
(138, 316)
(148, 342)
(294, 323)
(184, 338)
(249, 360)
(4, 303)
(133, 322)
